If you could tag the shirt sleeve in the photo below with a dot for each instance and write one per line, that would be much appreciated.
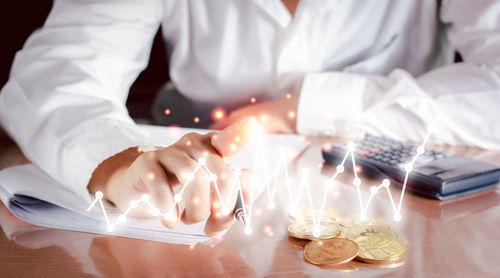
(64, 103)
(465, 96)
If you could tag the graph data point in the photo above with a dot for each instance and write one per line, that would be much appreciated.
(356, 181)
(351, 146)
(121, 218)
(316, 231)
(145, 197)
(156, 212)
(340, 168)
(397, 217)
(386, 183)
(271, 205)
(237, 172)
(177, 197)
(202, 161)
(99, 195)
(110, 228)
(248, 231)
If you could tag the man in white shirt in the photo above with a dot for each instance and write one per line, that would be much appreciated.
(334, 67)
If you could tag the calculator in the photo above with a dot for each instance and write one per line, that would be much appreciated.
(435, 174)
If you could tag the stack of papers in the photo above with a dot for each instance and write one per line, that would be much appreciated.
(34, 197)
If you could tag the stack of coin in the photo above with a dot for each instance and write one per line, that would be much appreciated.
(367, 239)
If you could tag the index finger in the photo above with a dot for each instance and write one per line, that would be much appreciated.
(233, 138)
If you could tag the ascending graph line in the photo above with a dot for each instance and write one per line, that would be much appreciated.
(272, 187)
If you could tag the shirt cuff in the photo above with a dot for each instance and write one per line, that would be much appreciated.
(100, 140)
(331, 104)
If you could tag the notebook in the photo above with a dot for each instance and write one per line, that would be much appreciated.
(33, 196)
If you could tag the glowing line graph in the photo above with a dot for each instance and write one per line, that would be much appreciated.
(271, 188)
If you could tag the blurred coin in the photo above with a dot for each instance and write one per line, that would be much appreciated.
(330, 251)
(306, 213)
(355, 232)
(305, 230)
(354, 220)
(377, 249)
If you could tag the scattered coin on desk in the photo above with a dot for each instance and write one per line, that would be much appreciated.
(330, 251)
(368, 240)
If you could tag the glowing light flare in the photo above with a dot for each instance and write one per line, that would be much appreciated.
(188, 143)
(264, 118)
(258, 211)
(167, 111)
(220, 237)
(288, 96)
(218, 114)
(291, 114)
(358, 169)
(139, 149)
(268, 230)
(191, 247)
(151, 176)
(174, 130)
(253, 100)
(232, 147)
(237, 139)
(216, 204)
(196, 201)
(327, 147)
(196, 119)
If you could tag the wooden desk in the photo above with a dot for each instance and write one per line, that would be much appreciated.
(451, 238)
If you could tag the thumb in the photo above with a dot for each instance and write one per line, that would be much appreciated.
(233, 138)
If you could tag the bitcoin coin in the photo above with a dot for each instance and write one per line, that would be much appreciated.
(305, 213)
(330, 251)
(374, 230)
(354, 220)
(305, 230)
(377, 249)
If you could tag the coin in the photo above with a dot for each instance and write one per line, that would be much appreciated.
(330, 251)
(374, 230)
(377, 249)
(304, 213)
(305, 230)
(354, 220)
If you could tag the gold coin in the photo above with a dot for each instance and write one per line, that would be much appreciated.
(305, 230)
(374, 230)
(330, 251)
(305, 213)
(354, 220)
(377, 249)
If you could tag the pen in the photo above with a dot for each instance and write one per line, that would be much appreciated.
(239, 214)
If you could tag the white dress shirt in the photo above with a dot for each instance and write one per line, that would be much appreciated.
(361, 66)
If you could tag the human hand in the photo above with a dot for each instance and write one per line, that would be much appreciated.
(277, 116)
(162, 173)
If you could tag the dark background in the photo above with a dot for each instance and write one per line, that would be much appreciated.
(20, 18)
